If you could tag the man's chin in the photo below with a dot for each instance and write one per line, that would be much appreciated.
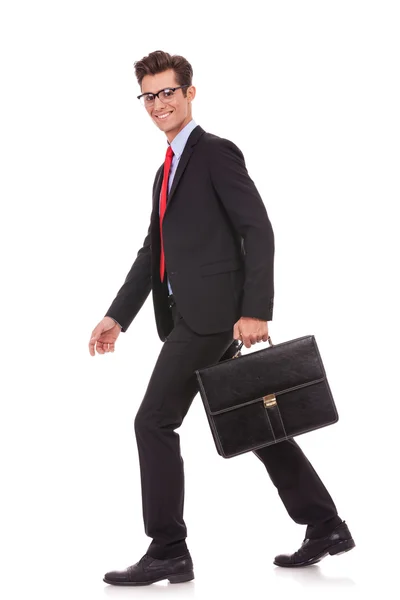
(167, 123)
(166, 128)
(163, 126)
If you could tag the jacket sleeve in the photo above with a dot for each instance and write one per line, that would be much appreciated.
(138, 283)
(248, 215)
(133, 293)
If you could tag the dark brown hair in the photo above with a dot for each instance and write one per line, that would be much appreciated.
(159, 61)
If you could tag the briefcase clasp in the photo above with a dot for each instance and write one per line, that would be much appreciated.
(269, 400)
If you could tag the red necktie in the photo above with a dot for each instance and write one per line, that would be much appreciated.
(163, 204)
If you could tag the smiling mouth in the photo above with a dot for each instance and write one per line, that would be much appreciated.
(163, 116)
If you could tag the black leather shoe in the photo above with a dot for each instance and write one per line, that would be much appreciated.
(149, 570)
(313, 550)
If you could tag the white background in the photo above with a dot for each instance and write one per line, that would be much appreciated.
(309, 90)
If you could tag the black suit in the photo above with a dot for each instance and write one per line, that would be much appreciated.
(219, 255)
(218, 244)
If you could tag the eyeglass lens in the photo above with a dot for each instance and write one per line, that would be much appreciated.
(165, 96)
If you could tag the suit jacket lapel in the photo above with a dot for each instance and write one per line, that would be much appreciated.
(183, 161)
(157, 189)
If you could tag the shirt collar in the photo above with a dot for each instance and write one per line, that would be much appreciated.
(179, 142)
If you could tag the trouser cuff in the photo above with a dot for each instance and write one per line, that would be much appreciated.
(167, 551)
(322, 529)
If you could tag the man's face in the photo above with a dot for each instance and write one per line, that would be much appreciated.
(178, 110)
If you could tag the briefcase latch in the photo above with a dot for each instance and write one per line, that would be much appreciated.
(269, 400)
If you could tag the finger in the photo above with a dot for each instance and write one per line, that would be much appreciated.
(246, 341)
(99, 347)
(96, 333)
(92, 343)
(236, 334)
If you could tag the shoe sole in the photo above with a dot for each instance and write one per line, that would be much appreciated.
(177, 578)
(340, 548)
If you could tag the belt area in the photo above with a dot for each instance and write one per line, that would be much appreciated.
(171, 300)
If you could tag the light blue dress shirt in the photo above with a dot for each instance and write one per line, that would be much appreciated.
(178, 145)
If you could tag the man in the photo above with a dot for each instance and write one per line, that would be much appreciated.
(208, 260)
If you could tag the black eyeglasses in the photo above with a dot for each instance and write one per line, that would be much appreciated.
(165, 95)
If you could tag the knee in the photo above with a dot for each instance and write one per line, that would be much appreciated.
(142, 422)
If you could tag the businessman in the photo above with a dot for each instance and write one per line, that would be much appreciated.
(208, 259)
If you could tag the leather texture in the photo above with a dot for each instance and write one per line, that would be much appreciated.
(149, 570)
(233, 396)
(313, 550)
(218, 243)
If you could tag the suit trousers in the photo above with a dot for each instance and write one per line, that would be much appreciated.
(168, 397)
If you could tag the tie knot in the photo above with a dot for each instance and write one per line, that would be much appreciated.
(170, 152)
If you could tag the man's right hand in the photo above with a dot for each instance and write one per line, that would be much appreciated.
(104, 336)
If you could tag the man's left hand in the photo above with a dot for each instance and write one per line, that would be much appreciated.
(250, 330)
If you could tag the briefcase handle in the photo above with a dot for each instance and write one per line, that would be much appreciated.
(241, 344)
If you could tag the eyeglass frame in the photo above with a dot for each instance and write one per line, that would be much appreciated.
(163, 90)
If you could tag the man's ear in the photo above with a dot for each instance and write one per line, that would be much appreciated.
(191, 92)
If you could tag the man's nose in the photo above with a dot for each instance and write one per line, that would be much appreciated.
(158, 103)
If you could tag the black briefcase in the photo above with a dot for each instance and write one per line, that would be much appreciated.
(267, 396)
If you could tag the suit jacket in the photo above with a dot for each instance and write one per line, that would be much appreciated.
(218, 245)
